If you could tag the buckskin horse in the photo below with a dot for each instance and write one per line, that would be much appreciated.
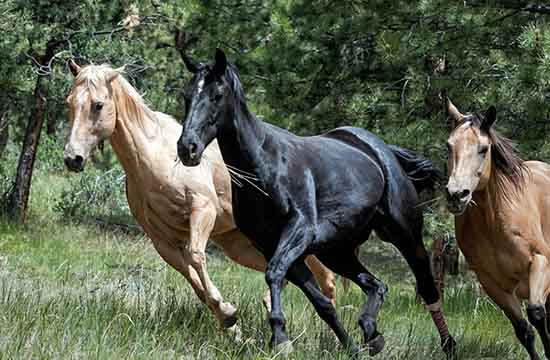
(321, 195)
(178, 207)
(502, 220)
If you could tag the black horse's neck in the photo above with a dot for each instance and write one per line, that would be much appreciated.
(242, 136)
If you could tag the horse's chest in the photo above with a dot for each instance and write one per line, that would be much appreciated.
(503, 258)
(162, 212)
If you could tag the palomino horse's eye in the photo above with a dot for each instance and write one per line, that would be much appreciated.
(97, 106)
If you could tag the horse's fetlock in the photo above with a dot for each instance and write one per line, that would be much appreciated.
(368, 324)
(536, 313)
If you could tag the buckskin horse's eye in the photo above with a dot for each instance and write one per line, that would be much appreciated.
(483, 150)
(97, 106)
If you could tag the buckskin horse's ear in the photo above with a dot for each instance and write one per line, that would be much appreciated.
(489, 119)
(453, 113)
(75, 69)
(220, 63)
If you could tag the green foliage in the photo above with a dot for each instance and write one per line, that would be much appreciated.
(95, 194)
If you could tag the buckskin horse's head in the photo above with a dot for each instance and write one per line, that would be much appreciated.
(469, 156)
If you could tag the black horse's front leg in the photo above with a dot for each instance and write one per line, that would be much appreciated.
(293, 242)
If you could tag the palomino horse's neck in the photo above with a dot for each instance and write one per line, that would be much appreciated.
(135, 130)
(241, 138)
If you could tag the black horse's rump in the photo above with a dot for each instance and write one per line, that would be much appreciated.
(325, 195)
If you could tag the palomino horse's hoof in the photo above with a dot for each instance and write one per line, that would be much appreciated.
(449, 348)
(236, 333)
(376, 345)
(229, 315)
(284, 349)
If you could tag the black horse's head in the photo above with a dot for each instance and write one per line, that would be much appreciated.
(206, 99)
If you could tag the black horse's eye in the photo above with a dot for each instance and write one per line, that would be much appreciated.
(218, 97)
(483, 150)
(97, 106)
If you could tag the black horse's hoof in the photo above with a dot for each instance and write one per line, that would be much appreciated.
(376, 345)
(449, 348)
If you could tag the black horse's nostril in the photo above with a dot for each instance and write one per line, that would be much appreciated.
(192, 149)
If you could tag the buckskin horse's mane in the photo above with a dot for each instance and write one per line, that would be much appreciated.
(509, 167)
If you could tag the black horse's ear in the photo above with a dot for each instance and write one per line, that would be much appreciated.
(489, 119)
(190, 64)
(220, 63)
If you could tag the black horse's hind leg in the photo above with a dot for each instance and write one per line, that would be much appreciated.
(408, 241)
(345, 263)
(301, 276)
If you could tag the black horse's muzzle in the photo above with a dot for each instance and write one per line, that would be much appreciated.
(190, 151)
(75, 163)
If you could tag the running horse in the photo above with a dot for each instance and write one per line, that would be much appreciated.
(178, 207)
(502, 220)
(321, 195)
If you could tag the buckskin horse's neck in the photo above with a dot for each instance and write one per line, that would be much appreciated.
(132, 138)
(488, 201)
(241, 139)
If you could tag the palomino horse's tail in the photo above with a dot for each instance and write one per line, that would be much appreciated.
(422, 172)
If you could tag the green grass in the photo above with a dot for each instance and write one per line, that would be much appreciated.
(76, 291)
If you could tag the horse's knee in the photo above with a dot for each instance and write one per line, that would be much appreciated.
(196, 258)
(524, 332)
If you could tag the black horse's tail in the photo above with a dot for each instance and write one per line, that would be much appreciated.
(422, 172)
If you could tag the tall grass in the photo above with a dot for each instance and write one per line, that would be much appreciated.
(70, 290)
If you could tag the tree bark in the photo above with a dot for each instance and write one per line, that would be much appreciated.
(4, 131)
(438, 265)
(51, 123)
(18, 197)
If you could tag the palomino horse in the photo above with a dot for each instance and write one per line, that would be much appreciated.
(179, 207)
(502, 220)
(324, 195)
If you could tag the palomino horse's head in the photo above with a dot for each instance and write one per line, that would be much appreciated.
(206, 98)
(469, 156)
(92, 112)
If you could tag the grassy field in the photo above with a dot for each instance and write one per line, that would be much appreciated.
(76, 291)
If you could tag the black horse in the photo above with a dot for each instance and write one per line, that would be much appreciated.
(321, 195)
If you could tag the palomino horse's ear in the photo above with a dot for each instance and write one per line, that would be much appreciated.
(75, 69)
(220, 63)
(112, 74)
(489, 119)
(453, 113)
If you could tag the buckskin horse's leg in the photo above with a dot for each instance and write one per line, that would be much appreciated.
(539, 280)
(201, 221)
(511, 307)
(324, 277)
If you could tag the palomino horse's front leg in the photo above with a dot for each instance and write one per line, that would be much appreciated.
(201, 221)
(539, 282)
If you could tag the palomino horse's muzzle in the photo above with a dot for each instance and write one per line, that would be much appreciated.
(75, 163)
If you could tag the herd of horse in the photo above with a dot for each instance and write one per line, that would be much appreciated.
(297, 208)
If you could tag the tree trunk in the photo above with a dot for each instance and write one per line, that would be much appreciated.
(4, 131)
(19, 195)
(50, 123)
